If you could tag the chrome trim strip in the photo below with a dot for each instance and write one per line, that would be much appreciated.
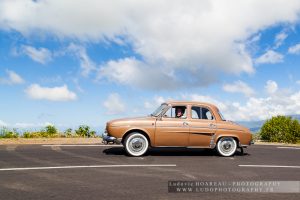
(206, 147)
(197, 133)
(181, 126)
(230, 129)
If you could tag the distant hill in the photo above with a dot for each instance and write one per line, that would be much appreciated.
(255, 126)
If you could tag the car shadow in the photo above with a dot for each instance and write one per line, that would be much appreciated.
(171, 151)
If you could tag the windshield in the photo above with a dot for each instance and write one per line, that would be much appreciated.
(222, 117)
(159, 110)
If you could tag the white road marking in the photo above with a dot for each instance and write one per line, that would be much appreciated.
(81, 145)
(288, 147)
(85, 166)
(270, 166)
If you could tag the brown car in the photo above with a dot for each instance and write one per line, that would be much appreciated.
(178, 124)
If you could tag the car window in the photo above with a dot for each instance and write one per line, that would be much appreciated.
(201, 113)
(196, 112)
(176, 112)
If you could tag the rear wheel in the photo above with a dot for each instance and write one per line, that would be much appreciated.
(136, 144)
(226, 146)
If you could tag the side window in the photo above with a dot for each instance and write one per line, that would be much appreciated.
(206, 114)
(201, 113)
(176, 112)
(196, 112)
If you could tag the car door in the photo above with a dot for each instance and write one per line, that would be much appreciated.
(171, 130)
(202, 126)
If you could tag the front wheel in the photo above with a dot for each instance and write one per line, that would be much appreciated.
(136, 144)
(226, 146)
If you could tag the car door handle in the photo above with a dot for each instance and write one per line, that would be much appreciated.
(212, 126)
(185, 123)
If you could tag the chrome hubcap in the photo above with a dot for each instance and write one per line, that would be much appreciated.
(227, 145)
(136, 144)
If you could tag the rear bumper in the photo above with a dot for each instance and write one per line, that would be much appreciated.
(106, 139)
(246, 145)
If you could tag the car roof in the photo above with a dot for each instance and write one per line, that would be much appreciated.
(192, 103)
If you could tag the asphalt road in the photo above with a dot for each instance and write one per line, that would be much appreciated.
(105, 172)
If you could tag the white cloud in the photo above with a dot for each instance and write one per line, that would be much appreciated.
(294, 49)
(173, 36)
(62, 93)
(270, 57)
(280, 38)
(114, 104)
(239, 87)
(86, 64)
(131, 71)
(271, 86)
(12, 78)
(255, 109)
(263, 108)
(155, 102)
(40, 55)
(298, 82)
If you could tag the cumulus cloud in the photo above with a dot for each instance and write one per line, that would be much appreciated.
(61, 93)
(270, 57)
(172, 36)
(133, 72)
(40, 55)
(12, 78)
(294, 49)
(271, 87)
(239, 87)
(263, 108)
(114, 104)
(255, 109)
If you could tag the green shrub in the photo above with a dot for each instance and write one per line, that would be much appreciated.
(256, 136)
(28, 134)
(51, 130)
(84, 131)
(68, 133)
(281, 129)
(6, 133)
(47, 132)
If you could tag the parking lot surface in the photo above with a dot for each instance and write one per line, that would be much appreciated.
(105, 172)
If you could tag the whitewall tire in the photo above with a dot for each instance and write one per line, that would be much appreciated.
(226, 146)
(136, 144)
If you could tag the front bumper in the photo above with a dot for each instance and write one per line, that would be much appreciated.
(106, 139)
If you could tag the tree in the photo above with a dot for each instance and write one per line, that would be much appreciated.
(84, 131)
(281, 129)
(68, 132)
(49, 131)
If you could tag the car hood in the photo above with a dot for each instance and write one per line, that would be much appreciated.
(131, 121)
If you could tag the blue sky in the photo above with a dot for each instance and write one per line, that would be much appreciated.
(67, 63)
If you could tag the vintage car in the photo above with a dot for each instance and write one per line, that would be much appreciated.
(178, 124)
